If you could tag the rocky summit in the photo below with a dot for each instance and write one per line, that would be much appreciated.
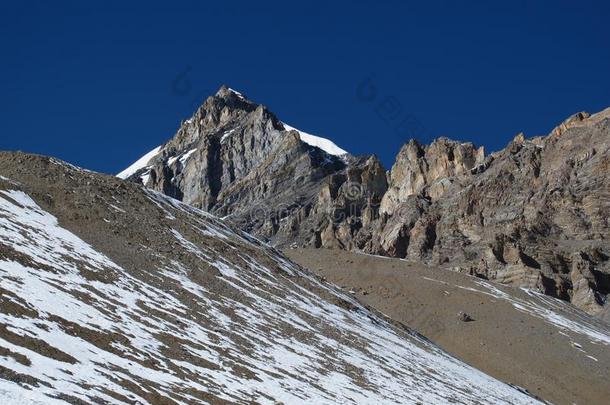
(533, 215)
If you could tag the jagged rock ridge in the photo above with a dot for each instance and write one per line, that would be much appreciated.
(532, 215)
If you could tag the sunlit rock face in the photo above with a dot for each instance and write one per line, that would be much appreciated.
(533, 215)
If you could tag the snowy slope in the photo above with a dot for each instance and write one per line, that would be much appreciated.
(139, 164)
(195, 312)
(326, 145)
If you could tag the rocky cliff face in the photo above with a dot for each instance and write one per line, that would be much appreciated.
(426, 170)
(235, 159)
(532, 215)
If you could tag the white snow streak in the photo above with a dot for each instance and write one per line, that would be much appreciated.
(326, 145)
(139, 164)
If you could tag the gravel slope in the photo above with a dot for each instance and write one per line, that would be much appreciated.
(543, 344)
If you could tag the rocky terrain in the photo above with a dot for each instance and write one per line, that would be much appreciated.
(113, 293)
(533, 215)
(515, 335)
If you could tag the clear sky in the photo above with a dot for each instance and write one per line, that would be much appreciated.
(99, 83)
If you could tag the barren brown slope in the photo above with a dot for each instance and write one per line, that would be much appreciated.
(545, 345)
(111, 293)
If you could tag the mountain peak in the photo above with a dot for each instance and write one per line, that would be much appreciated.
(225, 91)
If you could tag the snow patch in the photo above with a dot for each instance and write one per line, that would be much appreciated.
(226, 134)
(187, 155)
(182, 158)
(139, 164)
(145, 177)
(237, 93)
(13, 182)
(326, 145)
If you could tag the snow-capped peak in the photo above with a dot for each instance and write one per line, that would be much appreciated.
(139, 164)
(326, 145)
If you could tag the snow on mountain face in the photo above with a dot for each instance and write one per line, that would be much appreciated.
(220, 156)
(224, 94)
(181, 158)
(181, 309)
(326, 145)
(237, 93)
(139, 164)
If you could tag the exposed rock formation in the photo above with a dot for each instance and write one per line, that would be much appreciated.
(427, 169)
(521, 216)
(533, 215)
(236, 159)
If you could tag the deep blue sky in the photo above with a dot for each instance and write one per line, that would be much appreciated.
(95, 83)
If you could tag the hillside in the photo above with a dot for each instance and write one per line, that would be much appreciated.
(515, 335)
(112, 293)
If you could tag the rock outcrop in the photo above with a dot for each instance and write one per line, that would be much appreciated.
(427, 170)
(533, 215)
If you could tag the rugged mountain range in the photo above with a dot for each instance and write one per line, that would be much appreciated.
(533, 215)
(113, 293)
